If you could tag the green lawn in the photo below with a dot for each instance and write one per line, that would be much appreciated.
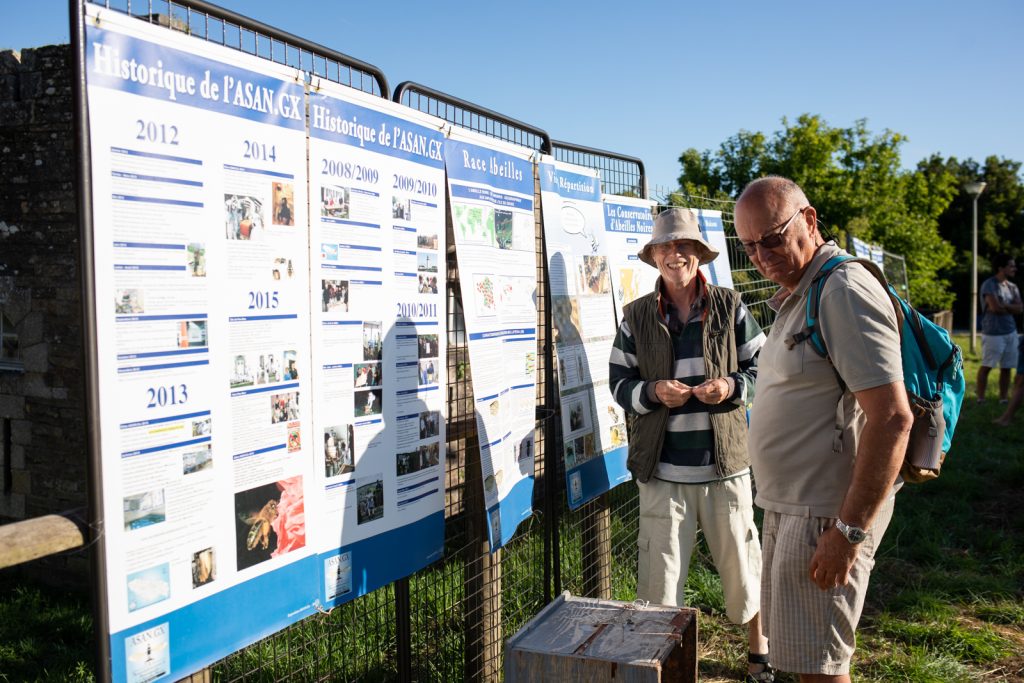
(946, 601)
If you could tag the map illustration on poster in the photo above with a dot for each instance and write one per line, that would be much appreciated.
(377, 245)
(491, 187)
(580, 277)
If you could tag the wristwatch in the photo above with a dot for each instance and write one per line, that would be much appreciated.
(853, 534)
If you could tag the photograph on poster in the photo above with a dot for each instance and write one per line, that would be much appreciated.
(426, 262)
(339, 444)
(475, 224)
(334, 295)
(149, 586)
(256, 510)
(486, 302)
(201, 427)
(243, 216)
(428, 284)
(367, 375)
(369, 499)
(333, 201)
(410, 462)
(294, 439)
(372, 346)
(291, 366)
(570, 453)
(204, 567)
(128, 301)
(495, 515)
(284, 407)
(401, 209)
(578, 414)
(191, 334)
(430, 423)
(426, 345)
(617, 435)
(503, 232)
(268, 369)
(629, 285)
(282, 268)
(368, 402)
(565, 312)
(426, 241)
(196, 259)
(428, 371)
(197, 460)
(242, 373)
(525, 449)
(284, 204)
(595, 278)
(144, 509)
(329, 251)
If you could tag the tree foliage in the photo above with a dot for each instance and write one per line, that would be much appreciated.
(853, 177)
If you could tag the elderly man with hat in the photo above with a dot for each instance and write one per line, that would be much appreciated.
(683, 364)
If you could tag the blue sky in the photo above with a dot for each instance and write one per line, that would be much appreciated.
(651, 79)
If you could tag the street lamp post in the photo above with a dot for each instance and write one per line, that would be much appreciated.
(974, 189)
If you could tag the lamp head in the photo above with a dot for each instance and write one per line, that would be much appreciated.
(974, 188)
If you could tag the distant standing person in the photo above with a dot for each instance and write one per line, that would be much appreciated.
(1000, 301)
(1006, 418)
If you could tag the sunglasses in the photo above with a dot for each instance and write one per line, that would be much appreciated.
(773, 240)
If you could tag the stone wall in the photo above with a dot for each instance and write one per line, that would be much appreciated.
(43, 463)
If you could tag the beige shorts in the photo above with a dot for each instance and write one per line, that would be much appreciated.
(999, 351)
(669, 516)
(811, 631)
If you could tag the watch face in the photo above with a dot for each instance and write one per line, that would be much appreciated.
(853, 534)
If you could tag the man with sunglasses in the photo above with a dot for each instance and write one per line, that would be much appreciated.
(825, 453)
(683, 363)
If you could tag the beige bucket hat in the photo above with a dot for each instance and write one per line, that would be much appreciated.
(677, 224)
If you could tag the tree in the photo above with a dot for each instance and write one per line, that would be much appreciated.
(854, 180)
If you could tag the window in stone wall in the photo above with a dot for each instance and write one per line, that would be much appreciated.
(10, 352)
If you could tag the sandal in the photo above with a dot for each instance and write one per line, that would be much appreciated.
(765, 675)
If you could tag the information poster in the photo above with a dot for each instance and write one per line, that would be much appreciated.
(198, 158)
(377, 248)
(628, 224)
(580, 277)
(491, 185)
(718, 272)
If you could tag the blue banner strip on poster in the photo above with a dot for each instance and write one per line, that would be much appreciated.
(475, 164)
(351, 124)
(596, 476)
(133, 65)
(154, 155)
(156, 179)
(147, 245)
(568, 184)
(374, 562)
(180, 316)
(258, 451)
(156, 200)
(165, 447)
(159, 420)
(157, 354)
(135, 266)
(259, 171)
(627, 218)
(514, 332)
(341, 221)
(247, 318)
(497, 198)
(509, 513)
(163, 366)
(263, 390)
(227, 621)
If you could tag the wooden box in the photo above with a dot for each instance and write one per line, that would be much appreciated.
(582, 639)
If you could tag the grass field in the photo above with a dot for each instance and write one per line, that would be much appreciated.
(946, 601)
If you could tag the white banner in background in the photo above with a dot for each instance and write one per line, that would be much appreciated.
(628, 224)
(377, 244)
(580, 279)
(719, 271)
(491, 188)
(199, 217)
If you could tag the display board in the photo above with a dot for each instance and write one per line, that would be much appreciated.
(719, 271)
(491, 188)
(628, 224)
(377, 245)
(872, 252)
(580, 278)
(266, 436)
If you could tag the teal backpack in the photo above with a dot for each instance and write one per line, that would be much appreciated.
(932, 372)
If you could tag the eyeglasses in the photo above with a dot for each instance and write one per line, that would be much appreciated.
(774, 239)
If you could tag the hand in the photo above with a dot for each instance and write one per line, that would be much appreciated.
(832, 561)
(672, 393)
(712, 391)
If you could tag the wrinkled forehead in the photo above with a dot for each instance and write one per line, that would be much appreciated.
(759, 212)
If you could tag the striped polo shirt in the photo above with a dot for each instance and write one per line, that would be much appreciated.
(688, 453)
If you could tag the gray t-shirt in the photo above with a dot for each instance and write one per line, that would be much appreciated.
(1005, 292)
(802, 464)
